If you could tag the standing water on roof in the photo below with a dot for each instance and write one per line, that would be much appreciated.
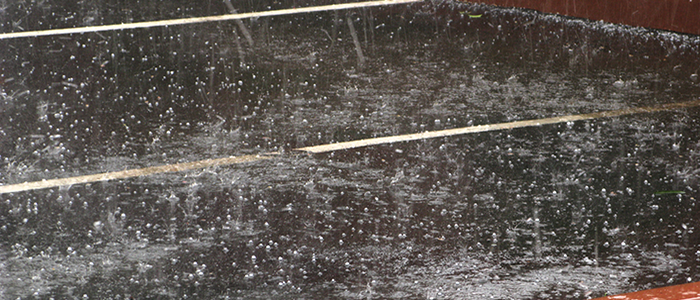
(563, 211)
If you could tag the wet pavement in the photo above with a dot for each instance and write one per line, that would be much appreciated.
(566, 211)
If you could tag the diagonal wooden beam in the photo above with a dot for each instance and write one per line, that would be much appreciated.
(228, 17)
(50, 183)
(491, 127)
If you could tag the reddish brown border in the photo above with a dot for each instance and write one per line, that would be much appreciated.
(674, 15)
(686, 291)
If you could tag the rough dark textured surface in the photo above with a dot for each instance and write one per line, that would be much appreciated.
(566, 211)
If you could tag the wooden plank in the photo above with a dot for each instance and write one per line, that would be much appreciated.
(51, 183)
(688, 291)
(229, 17)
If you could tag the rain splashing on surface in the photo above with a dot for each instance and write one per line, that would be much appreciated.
(560, 211)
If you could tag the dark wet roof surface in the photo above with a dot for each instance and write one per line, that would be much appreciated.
(569, 210)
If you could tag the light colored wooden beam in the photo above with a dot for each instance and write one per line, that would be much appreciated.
(228, 17)
(50, 183)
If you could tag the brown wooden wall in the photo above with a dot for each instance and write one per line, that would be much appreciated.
(674, 15)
